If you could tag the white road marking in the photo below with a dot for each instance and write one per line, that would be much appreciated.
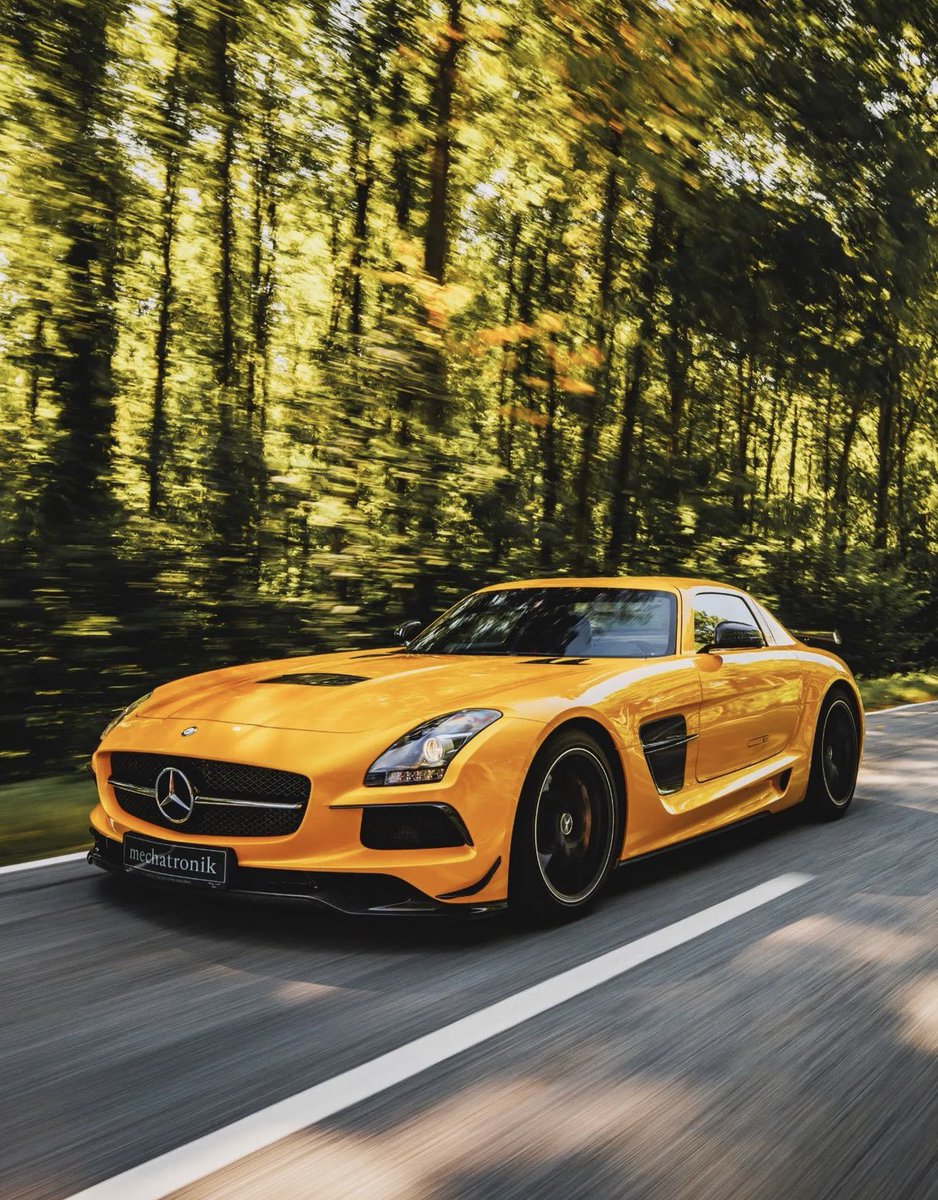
(185, 1165)
(43, 862)
(900, 707)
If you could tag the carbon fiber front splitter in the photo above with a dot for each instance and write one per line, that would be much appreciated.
(355, 894)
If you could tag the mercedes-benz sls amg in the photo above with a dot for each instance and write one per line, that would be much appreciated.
(515, 751)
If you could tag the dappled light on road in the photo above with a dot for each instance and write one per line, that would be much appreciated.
(494, 1134)
(918, 1010)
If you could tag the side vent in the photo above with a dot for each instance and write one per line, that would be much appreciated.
(318, 679)
(665, 744)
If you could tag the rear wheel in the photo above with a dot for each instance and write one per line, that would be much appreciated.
(835, 759)
(567, 829)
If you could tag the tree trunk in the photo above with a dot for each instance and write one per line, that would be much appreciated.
(745, 409)
(263, 253)
(596, 404)
(841, 476)
(398, 103)
(826, 467)
(367, 62)
(771, 442)
(907, 420)
(791, 482)
(551, 493)
(551, 466)
(505, 425)
(363, 181)
(175, 135)
(885, 447)
(427, 359)
(38, 357)
(678, 367)
(523, 353)
(619, 525)
(677, 349)
(624, 458)
(436, 236)
(226, 37)
(76, 486)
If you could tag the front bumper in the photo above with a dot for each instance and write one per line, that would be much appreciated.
(481, 786)
(355, 894)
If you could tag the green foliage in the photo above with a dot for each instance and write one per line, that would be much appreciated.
(916, 688)
(315, 316)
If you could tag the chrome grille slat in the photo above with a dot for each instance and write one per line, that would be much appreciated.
(151, 792)
(132, 787)
(244, 803)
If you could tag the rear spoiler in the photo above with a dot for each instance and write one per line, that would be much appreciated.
(816, 637)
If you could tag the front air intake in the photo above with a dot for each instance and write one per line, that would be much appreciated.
(412, 827)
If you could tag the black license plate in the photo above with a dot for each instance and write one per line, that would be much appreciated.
(169, 860)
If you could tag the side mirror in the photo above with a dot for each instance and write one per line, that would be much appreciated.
(734, 635)
(407, 632)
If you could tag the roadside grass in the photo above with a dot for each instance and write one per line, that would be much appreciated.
(43, 817)
(898, 689)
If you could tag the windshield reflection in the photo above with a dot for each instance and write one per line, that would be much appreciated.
(556, 622)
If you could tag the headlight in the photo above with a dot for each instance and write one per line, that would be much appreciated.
(124, 713)
(423, 755)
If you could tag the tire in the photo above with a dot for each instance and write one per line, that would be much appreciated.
(567, 832)
(835, 759)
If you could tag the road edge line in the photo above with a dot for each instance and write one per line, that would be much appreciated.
(31, 864)
(874, 712)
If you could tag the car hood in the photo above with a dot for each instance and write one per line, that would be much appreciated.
(356, 692)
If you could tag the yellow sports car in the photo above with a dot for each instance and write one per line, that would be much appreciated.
(515, 751)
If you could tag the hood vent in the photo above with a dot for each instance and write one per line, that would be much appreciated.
(318, 679)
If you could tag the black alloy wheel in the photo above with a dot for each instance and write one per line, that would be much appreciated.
(835, 760)
(567, 831)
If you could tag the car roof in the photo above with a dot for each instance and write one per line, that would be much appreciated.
(670, 582)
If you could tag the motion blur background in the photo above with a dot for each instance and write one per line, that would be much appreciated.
(314, 316)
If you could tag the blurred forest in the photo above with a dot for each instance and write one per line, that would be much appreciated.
(316, 315)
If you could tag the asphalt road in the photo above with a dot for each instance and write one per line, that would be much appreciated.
(790, 1053)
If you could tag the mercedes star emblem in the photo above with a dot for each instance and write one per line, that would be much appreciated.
(175, 795)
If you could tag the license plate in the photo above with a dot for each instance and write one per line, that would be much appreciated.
(169, 860)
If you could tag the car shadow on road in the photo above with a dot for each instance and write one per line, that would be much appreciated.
(295, 925)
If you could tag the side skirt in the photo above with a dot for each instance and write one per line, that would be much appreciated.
(694, 841)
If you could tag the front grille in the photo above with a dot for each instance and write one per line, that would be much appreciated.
(210, 777)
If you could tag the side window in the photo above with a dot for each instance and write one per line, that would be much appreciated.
(711, 608)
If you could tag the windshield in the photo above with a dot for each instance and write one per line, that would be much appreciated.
(556, 622)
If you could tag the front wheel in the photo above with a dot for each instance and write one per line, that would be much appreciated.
(835, 759)
(567, 829)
